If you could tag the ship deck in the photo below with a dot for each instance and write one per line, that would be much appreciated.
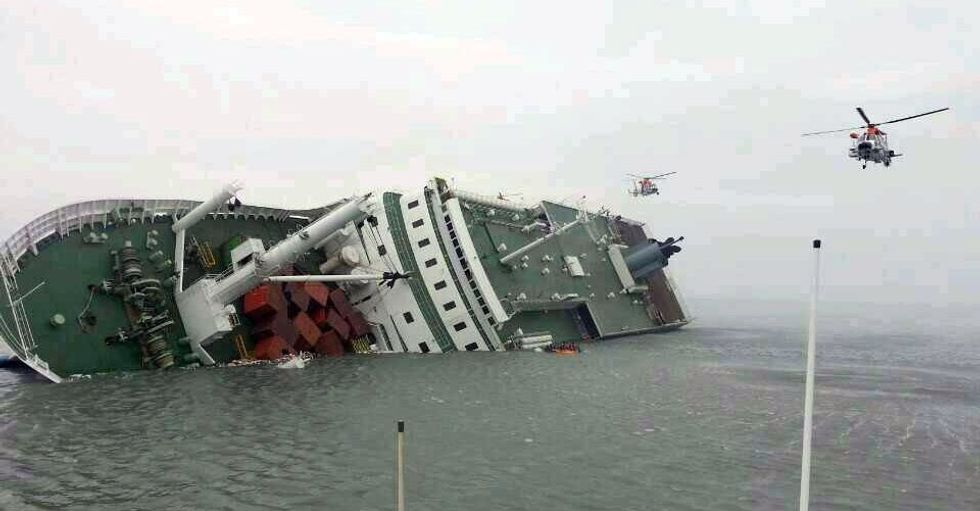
(595, 298)
(57, 280)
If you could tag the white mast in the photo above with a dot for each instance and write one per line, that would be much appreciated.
(811, 349)
(192, 217)
(400, 467)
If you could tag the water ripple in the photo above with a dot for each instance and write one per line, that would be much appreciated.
(707, 418)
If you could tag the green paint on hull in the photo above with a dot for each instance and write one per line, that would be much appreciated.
(68, 266)
(454, 277)
(57, 280)
(407, 257)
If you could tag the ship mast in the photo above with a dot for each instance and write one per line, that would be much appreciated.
(192, 217)
(205, 307)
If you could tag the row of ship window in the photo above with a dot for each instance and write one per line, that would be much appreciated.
(451, 305)
(438, 285)
(425, 241)
(466, 270)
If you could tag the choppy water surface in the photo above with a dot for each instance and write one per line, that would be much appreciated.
(705, 418)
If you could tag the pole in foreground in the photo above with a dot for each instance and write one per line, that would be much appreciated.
(400, 467)
(811, 348)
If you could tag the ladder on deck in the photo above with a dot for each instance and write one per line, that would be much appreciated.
(205, 256)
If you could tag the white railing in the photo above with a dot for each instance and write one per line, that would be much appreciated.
(20, 339)
(72, 218)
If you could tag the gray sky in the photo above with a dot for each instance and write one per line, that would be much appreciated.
(305, 102)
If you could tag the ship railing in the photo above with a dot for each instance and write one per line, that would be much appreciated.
(72, 218)
(21, 335)
(218, 276)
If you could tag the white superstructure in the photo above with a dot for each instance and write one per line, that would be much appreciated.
(449, 303)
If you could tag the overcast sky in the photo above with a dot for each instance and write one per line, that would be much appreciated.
(306, 102)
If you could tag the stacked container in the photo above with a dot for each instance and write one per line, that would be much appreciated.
(303, 316)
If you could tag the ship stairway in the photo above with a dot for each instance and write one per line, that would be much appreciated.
(243, 353)
(204, 254)
(361, 345)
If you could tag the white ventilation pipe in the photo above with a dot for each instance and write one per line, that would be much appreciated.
(347, 257)
(286, 252)
(327, 278)
(203, 209)
(192, 217)
(530, 246)
(491, 202)
(340, 235)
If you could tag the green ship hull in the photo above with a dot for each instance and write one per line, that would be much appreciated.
(97, 287)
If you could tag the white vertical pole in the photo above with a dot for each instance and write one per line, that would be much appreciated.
(400, 467)
(811, 349)
(179, 260)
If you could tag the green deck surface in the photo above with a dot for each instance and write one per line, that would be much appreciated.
(66, 267)
(611, 315)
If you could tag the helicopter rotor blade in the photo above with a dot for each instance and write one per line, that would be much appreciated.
(832, 131)
(914, 116)
(651, 177)
(865, 117)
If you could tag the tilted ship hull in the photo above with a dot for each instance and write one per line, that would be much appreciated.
(119, 285)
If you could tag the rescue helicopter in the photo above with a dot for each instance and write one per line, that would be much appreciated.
(872, 145)
(644, 185)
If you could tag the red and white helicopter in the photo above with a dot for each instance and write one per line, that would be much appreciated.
(644, 185)
(872, 145)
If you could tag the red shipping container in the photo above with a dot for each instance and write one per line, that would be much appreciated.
(339, 300)
(329, 345)
(297, 295)
(265, 328)
(272, 348)
(306, 328)
(359, 327)
(319, 316)
(338, 324)
(288, 332)
(318, 292)
(264, 301)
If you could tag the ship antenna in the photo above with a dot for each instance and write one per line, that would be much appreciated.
(811, 348)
